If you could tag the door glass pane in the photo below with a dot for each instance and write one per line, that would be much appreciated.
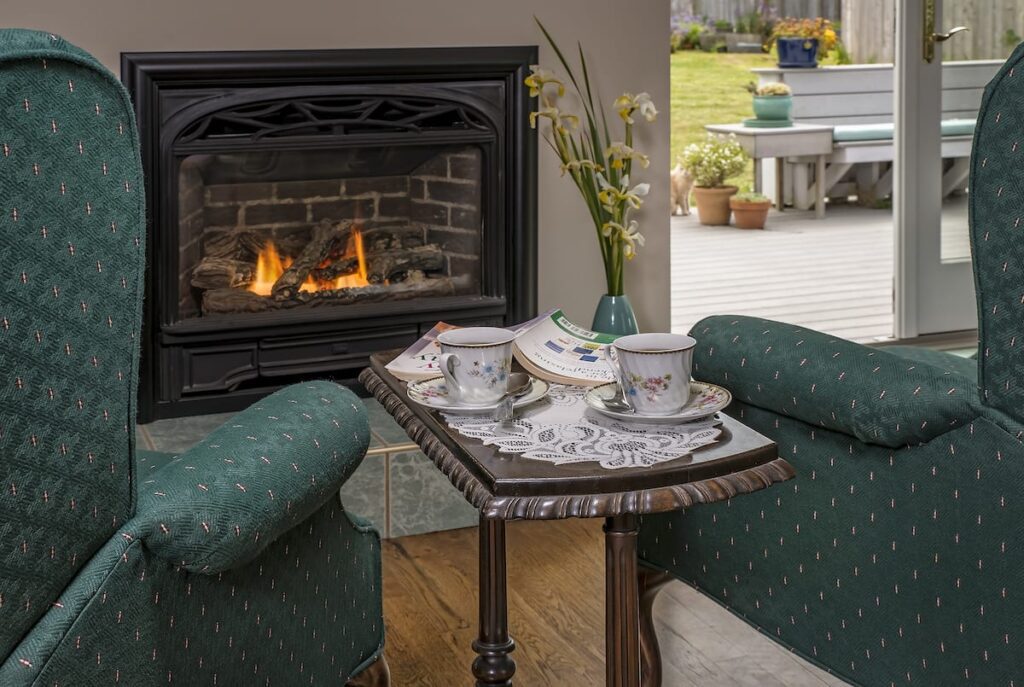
(970, 59)
(824, 258)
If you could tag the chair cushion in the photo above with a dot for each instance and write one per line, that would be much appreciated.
(947, 362)
(884, 130)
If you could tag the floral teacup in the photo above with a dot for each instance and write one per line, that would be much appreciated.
(654, 371)
(475, 362)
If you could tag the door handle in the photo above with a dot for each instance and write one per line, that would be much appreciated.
(943, 37)
(930, 36)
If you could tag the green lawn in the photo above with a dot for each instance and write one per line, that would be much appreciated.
(707, 88)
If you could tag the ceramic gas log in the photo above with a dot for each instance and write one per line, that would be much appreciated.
(338, 264)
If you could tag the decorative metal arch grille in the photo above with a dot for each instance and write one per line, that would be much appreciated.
(333, 116)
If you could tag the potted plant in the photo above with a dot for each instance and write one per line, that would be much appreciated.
(750, 210)
(747, 34)
(711, 162)
(602, 169)
(799, 42)
(773, 102)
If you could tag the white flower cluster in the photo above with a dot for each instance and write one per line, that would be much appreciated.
(714, 160)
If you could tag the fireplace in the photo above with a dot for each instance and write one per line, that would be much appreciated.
(307, 209)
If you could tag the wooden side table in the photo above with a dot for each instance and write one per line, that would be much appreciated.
(505, 487)
(799, 140)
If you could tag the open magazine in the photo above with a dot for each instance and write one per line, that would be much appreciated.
(549, 346)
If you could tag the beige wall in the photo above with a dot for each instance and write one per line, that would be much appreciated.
(626, 42)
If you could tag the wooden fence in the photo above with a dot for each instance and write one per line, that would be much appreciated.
(731, 10)
(868, 26)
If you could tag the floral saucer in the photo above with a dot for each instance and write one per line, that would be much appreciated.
(433, 393)
(705, 399)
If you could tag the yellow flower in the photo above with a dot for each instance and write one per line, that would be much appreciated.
(627, 104)
(610, 196)
(557, 118)
(620, 152)
(539, 78)
(629, 236)
(577, 165)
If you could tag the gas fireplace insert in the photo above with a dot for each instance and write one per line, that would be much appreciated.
(307, 209)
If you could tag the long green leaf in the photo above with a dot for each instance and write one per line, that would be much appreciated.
(595, 134)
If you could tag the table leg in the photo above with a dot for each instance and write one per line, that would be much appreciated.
(819, 185)
(493, 666)
(758, 180)
(780, 186)
(622, 602)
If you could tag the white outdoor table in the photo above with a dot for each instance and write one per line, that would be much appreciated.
(798, 140)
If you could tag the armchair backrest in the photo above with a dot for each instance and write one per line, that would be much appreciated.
(72, 257)
(997, 237)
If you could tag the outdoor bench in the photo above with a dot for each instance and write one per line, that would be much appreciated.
(857, 101)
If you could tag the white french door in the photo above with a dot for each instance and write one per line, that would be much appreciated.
(934, 285)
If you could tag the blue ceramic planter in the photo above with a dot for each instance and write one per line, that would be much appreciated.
(797, 53)
(614, 315)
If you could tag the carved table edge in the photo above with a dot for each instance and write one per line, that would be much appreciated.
(641, 502)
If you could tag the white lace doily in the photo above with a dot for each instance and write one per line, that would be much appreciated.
(563, 429)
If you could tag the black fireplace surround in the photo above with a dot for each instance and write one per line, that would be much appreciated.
(309, 208)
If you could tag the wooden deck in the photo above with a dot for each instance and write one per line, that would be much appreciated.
(834, 274)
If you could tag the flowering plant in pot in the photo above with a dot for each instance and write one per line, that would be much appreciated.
(711, 162)
(750, 210)
(800, 42)
(601, 166)
(773, 101)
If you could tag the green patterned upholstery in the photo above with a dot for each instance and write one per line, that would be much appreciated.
(257, 476)
(71, 221)
(996, 225)
(876, 396)
(234, 563)
(893, 558)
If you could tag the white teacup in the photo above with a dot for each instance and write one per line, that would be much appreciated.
(475, 362)
(654, 371)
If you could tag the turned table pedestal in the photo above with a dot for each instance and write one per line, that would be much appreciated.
(509, 487)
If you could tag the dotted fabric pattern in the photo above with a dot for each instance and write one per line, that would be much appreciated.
(879, 397)
(260, 474)
(997, 228)
(885, 566)
(233, 564)
(306, 612)
(71, 265)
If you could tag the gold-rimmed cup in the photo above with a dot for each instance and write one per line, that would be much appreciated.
(654, 371)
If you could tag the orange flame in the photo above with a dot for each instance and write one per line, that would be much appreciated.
(270, 265)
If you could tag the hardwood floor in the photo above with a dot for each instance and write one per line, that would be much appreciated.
(556, 606)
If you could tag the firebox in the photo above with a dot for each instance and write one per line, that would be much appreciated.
(308, 208)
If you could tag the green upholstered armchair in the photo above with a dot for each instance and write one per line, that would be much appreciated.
(896, 556)
(232, 564)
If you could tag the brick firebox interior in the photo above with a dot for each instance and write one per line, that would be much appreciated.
(440, 197)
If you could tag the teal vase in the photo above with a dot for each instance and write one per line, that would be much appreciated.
(614, 315)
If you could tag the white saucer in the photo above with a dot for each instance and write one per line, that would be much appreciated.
(433, 393)
(705, 400)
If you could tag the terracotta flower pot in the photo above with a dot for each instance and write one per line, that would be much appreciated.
(713, 203)
(750, 214)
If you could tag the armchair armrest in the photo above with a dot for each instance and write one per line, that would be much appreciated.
(264, 471)
(868, 393)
